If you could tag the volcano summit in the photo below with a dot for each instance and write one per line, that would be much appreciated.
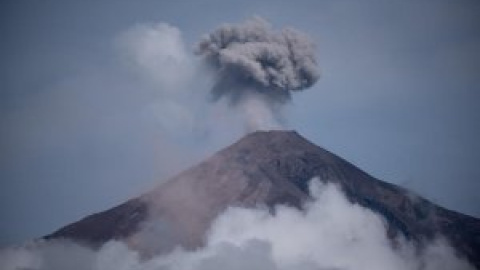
(266, 169)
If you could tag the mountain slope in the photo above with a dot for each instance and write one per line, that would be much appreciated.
(265, 169)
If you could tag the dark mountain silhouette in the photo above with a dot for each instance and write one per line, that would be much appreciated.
(266, 168)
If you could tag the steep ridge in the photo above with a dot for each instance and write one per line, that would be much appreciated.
(262, 170)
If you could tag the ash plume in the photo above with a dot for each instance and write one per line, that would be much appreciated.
(251, 59)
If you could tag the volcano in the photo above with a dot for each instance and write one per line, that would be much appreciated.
(265, 169)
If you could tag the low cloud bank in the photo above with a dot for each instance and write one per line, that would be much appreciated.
(330, 233)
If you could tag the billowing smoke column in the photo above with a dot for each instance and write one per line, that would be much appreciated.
(253, 62)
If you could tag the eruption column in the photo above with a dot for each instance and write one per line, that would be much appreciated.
(252, 61)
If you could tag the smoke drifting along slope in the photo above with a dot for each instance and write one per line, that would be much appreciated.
(252, 61)
(330, 233)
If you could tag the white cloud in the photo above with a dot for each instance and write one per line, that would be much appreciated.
(158, 52)
(331, 233)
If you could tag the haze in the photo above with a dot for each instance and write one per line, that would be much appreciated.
(83, 128)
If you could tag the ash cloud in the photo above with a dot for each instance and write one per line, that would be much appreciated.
(251, 60)
(330, 233)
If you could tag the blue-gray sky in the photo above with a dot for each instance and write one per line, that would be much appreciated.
(398, 97)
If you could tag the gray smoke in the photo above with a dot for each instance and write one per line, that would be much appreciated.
(252, 58)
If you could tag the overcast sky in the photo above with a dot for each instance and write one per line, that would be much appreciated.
(82, 128)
